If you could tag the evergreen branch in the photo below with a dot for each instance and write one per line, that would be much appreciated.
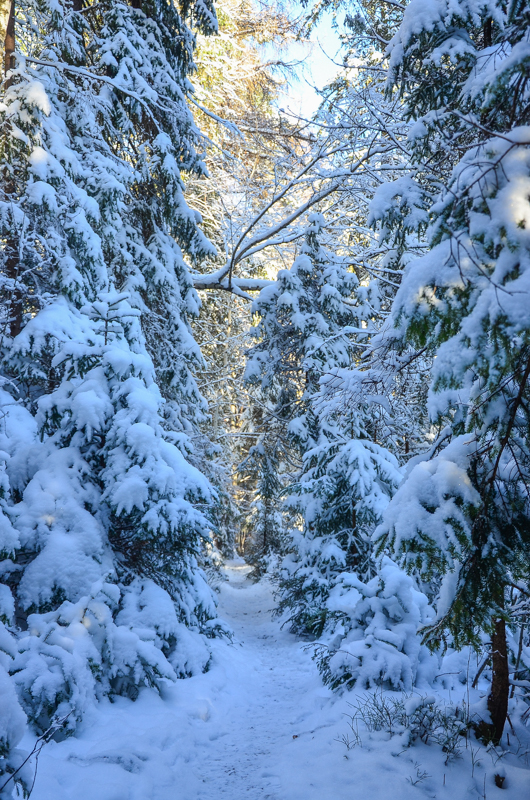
(229, 125)
(489, 131)
(62, 67)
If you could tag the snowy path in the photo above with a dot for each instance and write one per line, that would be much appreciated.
(245, 730)
(246, 762)
(258, 726)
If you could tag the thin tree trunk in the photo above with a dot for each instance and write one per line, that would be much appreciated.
(353, 550)
(12, 244)
(488, 32)
(500, 682)
(7, 31)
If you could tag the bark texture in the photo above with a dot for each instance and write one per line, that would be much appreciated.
(500, 682)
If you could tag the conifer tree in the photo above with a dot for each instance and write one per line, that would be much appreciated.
(307, 319)
(301, 317)
(269, 539)
(105, 506)
(345, 484)
(147, 50)
(301, 333)
(463, 70)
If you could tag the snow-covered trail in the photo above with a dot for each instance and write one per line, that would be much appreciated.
(249, 729)
(258, 726)
(272, 688)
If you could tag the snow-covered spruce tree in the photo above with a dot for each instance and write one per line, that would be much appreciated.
(147, 51)
(314, 328)
(300, 332)
(115, 568)
(347, 479)
(385, 216)
(161, 227)
(367, 625)
(105, 505)
(301, 316)
(371, 637)
(463, 69)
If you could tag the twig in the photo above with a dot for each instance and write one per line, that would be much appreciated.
(39, 744)
(480, 671)
(519, 652)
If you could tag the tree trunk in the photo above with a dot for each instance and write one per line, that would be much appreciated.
(488, 32)
(7, 31)
(500, 683)
(12, 265)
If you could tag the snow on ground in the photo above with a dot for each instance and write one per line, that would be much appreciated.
(258, 726)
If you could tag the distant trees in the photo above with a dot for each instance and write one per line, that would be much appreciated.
(236, 87)
(299, 336)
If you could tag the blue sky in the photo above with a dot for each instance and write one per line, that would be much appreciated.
(317, 71)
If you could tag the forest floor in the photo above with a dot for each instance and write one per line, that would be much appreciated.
(260, 726)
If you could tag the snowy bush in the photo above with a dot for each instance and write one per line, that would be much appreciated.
(372, 639)
(345, 487)
(12, 717)
(411, 718)
(110, 642)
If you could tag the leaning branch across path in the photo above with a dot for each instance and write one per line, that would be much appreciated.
(315, 180)
(284, 231)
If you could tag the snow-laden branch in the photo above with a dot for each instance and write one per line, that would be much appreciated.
(281, 231)
(232, 127)
(238, 286)
(85, 73)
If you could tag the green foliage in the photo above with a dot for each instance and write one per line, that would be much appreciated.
(462, 302)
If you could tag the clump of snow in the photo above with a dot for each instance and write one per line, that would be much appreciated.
(12, 725)
(373, 640)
